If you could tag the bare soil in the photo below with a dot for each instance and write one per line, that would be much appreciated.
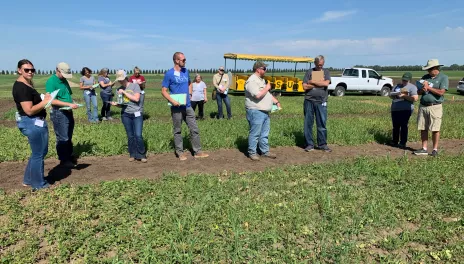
(221, 162)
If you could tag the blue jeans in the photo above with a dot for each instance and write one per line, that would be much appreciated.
(38, 140)
(91, 98)
(133, 126)
(219, 98)
(400, 120)
(260, 125)
(105, 110)
(63, 124)
(318, 110)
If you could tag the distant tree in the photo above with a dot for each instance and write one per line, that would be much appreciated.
(3, 72)
(454, 67)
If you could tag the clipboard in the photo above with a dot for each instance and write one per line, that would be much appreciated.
(53, 95)
(317, 75)
(180, 98)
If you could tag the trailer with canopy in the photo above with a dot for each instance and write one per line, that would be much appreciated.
(279, 84)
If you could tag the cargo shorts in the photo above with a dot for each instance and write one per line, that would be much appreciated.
(429, 117)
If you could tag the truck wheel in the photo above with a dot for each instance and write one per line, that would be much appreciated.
(385, 91)
(339, 91)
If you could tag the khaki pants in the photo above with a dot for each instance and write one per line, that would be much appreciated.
(429, 117)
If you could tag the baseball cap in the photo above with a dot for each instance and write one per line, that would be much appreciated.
(64, 69)
(407, 76)
(259, 64)
(121, 75)
(221, 68)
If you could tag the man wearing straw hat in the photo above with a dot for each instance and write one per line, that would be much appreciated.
(435, 84)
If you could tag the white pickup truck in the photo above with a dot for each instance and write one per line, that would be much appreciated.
(360, 80)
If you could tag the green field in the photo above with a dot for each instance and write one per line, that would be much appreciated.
(367, 210)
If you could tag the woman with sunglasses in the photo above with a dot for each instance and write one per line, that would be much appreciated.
(106, 94)
(86, 83)
(30, 119)
(221, 82)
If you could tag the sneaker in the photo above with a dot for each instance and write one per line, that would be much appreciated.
(254, 157)
(325, 148)
(104, 119)
(67, 164)
(144, 160)
(269, 156)
(420, 152)
(434, 153)
(131, 159)
(309, 148)
(201, 155)
(109, 118)
(182, 157)
(47, 185)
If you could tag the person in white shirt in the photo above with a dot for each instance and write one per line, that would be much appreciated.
(198, 96)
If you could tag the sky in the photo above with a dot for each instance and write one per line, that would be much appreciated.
(124, 34)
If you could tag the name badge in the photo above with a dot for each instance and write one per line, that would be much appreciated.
(176, 73)
(324, 104)
(87, 92)
(39, 123)
(137, 114)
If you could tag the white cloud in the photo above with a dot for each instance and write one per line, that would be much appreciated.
(456, 30)
(335, 15)
(335, 44)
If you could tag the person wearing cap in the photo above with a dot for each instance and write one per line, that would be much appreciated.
(221, 82)
(258, 105)
(63, 120)
(177, 81)
(315, 105)
(403, 97)
(106, 94)
(429, 117)
(132, 116)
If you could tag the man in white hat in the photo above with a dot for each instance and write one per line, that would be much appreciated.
(63, 120)
(435, 84)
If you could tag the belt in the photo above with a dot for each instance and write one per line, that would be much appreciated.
(34, 117)
(431, 104)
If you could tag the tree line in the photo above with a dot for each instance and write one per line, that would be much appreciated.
(453, 67)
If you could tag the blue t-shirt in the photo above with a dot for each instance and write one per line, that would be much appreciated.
(178, 83)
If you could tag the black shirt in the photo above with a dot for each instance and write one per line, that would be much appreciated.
(24, 93)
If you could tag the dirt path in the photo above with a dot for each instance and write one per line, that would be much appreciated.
(97, 169)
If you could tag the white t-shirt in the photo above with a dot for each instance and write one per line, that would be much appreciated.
(198, 91)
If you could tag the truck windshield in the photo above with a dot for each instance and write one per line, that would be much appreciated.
(351, 72)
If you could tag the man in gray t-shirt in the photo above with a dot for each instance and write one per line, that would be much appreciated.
(315, 84)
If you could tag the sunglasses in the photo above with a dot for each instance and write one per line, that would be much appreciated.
(263, 68)
(29, 70)
(184, 60)
(221, 70)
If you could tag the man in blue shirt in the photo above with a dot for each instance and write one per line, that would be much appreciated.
(177, 81)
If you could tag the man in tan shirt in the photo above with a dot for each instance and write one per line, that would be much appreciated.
(221, 82)
(258, 105)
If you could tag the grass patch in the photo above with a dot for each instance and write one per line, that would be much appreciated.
(367, 210)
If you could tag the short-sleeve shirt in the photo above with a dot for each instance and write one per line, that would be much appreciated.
(400, 104)
(253, 86)
(25, 93)
(198, 93)
(439, 82)
(54, 83)
(178, 83)
(131, 107)
(134, 79)
(87, 82)
(107, 89)
(317, 94)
